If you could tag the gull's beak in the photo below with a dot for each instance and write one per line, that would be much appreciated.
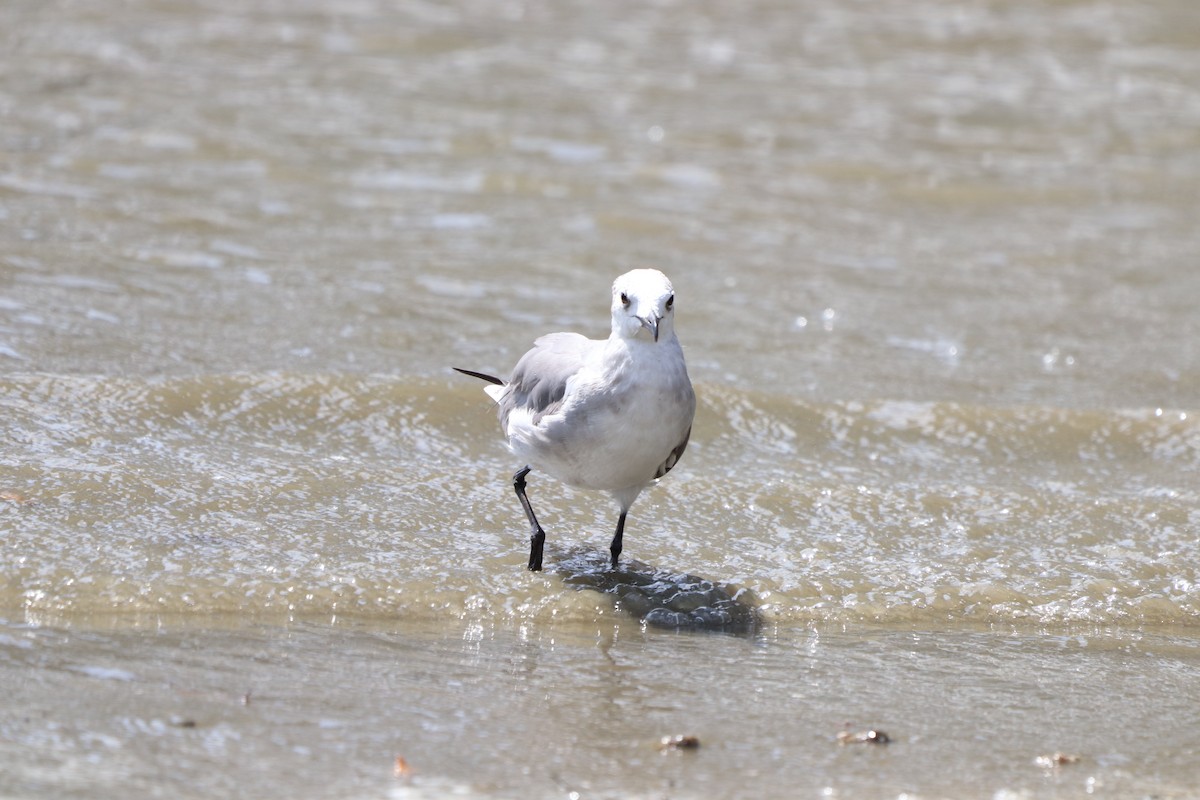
(650, 323)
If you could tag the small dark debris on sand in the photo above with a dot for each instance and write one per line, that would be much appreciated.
(1056, 760)
(864, 737)
(678, 742)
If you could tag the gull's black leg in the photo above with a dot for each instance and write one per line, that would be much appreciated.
(615, 547)
(537, 536)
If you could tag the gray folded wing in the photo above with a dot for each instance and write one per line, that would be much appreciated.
(539, 381)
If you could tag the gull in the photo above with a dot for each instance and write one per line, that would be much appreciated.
(610, 415)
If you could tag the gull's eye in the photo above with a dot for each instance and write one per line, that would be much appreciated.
(624, 299)
(670, 302)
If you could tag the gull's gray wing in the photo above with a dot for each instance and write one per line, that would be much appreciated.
(539, 381)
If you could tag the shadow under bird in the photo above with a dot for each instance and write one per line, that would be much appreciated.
(611, 414)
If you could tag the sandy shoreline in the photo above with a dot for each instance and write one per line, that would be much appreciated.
(316, 710)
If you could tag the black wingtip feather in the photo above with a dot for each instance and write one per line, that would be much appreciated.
(480, 375)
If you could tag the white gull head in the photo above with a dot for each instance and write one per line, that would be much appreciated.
(643, 304)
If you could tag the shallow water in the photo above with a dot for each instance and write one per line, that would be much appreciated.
(282, 494)
(936, 286)
(308, 709)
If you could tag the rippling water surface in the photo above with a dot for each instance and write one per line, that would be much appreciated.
(283, 493)
(936, 280)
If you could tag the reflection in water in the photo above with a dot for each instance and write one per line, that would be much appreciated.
(662, 598)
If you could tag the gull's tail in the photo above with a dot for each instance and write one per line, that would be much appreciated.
(482, 376)
(496, 391)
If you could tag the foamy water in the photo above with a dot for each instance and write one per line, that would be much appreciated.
(331, 495)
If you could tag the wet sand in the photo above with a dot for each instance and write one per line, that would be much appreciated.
(312, 709)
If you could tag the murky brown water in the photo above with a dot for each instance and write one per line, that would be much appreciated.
(936, 278)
